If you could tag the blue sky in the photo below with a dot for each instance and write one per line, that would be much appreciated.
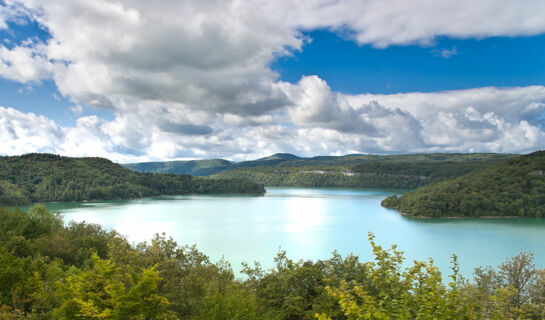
(134, 82)
(352, 68)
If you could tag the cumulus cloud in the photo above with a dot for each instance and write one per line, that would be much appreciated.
(3, 18)
(212, 55)
(393, 22)
(24, 64)
(474, 119)
(315, 105)
(191, 79)
(27, 132)
(12, 12)
(483, 119)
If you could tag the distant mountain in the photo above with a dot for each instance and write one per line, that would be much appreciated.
(354, 170)
(35, 178)
(280, 156)
(207, 167)
(274, 160)
(511, 187)
(192, 167)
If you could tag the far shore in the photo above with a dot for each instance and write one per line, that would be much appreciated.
(461, 217)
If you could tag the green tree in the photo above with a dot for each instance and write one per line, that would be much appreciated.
(388, 292)
(103, 292)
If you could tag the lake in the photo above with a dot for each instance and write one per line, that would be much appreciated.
(310, 224)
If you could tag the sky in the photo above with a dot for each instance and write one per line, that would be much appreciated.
(135, 80)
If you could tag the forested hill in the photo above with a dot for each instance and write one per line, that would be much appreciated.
(192, 167)
(35, 178)
(355, 171)
(512, 187)
(208, 167)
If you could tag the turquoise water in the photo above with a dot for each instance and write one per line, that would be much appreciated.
(310, 224)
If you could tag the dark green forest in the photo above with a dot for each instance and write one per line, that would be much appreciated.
(36, 178)
(354, 162)
(358, 171)
(49, 270)
(350, 171)
(512, 187)
(208, 167)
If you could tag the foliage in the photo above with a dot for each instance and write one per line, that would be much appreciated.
(350, 171)
(102, 291)
(33, 178)
(207, 166)
(512, 187)
(395, 172)
(192, 167)
(49, 270)
(388, 292)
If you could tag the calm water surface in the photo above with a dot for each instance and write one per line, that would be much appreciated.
(310, 224)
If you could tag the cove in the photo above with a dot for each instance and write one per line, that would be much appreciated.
(311, 224)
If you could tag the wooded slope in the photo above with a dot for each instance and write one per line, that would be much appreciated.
(511, 187)
(35, 178)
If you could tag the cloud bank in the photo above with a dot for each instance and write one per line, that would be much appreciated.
(191, 79)
(318, 121)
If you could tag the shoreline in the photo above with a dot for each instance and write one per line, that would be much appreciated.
(136, 198)
(460, 217)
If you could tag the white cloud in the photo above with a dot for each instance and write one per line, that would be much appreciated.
(24, 64)
(187, 79)
(214, 54)
(445, 53)
(391, 22)
(211, 55)
(3, 18)
(483, 119)
(13, 12)
(27, 132)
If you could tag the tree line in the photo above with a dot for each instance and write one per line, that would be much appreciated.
(371, 171)
(387, 174)
(512, 187)
(34, 178)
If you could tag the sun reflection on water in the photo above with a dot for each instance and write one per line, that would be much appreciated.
(304, 214)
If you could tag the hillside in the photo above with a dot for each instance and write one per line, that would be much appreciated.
(208, 167)
(192, 167)
(280, 156)
(35, 178)
(512, 187)
(352, 171)
(365, 171)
